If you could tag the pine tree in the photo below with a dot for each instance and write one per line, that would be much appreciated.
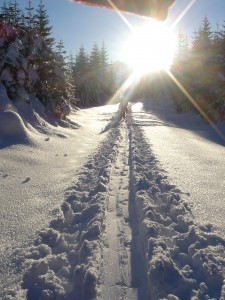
(202, 42)
(103, 58)
(18, 14)
(59, 82)
(81, 77)
(42, 24)
(82, 61)
(94, 59)
(11, 14)
(107, 74)
(30, 18)
(5, 15)
(182, 54)
(70, 67)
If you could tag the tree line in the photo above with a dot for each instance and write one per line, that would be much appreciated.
(59, 81)
(94, 75)
(199, 66)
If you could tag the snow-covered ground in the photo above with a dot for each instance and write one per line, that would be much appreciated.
(192, 153)
(115, 210)
(33, 180)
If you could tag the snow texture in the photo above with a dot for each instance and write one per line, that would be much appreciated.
(178, 257)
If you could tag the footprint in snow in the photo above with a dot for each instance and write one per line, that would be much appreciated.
(26, 180)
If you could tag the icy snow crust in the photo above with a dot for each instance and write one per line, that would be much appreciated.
(177, 257)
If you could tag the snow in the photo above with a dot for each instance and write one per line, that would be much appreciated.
(114, 210)
(192, 154)
(50, 163)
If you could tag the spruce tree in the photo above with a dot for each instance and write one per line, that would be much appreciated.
(70, 67)
(103, 58)
(82, 78)
(29, 17)
(11, 14)
(94, 59)
(182, 53)
(205, 35)
(42, 24)
(81, 63)
(5, 14)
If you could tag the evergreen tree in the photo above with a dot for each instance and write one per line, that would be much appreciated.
(82, 61)
(30, 18)
(94, 59)
(182, 54)
(182, 45)
(42, 24)
(16, 12)
(34, 67)
(81, 77)
(5, 15)
(59, 81)
(202, 43)
(205, 36)
(70, 67)
(11, 14)
(103, 58)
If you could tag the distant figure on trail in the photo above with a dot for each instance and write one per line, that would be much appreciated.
(123, 107)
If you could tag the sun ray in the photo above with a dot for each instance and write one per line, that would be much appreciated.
(183, 13)
(195, 104)
(123, 89)
(121, 15)
(131, 79)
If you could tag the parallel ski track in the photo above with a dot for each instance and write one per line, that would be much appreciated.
(120, 266)
(114, 231)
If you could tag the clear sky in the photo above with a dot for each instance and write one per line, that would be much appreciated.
(80, 25)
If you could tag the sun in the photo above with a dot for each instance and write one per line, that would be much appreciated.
(149, 48)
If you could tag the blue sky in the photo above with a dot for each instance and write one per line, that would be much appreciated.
(80, 25)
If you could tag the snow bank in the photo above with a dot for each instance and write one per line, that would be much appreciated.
(183, 260)
(12, 129)
(5, 103)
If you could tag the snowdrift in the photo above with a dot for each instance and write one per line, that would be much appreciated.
(12, 129)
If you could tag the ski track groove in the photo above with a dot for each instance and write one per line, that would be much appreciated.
(116, 280)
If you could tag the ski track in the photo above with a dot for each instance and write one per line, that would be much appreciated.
(116, 279)
(124, 232)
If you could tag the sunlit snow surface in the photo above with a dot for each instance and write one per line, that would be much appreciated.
(192, 154)
(33, 180)
(119, 212)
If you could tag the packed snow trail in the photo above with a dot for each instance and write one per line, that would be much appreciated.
(120, 262)
(124, 232)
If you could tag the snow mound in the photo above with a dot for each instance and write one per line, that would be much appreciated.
(5, 103)
(12, 129)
